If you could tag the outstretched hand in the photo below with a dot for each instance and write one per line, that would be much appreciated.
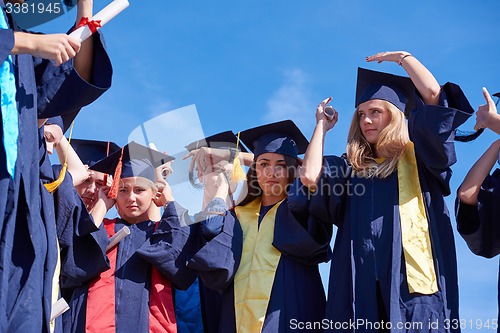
(486, 114)
(393, 56)
(207, 160)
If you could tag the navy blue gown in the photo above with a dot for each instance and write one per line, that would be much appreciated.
(27, 255)
(297, 292)
(479, 224)
(368, 275)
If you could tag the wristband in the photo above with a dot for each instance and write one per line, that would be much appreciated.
(400, 63)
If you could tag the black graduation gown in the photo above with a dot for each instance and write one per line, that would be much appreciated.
(26, 252)
(297, 292)
(164, 248)
(478, 224)
(368, 275)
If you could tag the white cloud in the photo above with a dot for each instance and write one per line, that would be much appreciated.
(292, 100)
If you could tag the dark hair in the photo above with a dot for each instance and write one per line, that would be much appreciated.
(254, 190)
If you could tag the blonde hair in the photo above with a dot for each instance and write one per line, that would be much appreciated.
(391, 145)
(148, 183)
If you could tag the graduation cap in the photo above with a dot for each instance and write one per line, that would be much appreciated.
(225, 139)
(283, 137)
(133, 160)
(395, 89)
(91, 151)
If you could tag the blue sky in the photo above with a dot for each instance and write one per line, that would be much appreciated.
(244, 63)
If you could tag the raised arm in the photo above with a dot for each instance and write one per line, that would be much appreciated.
(310, 170)
(469, 190)
(102, 206)
(84, 59)
(421, 77)
(76, 168)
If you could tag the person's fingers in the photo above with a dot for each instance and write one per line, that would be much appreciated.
(323, 103)
(188, 155)
(58, 60)
(487, 97)
(70, 52)
(75, 44)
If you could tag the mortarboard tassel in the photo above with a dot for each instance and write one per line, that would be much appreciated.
(52, 187)
(113, 191)
(237, 174)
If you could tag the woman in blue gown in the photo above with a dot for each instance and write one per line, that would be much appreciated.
(28, 252)
(258, 255)
(394, 265)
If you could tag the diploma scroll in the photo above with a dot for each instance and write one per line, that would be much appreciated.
(329, 112)
(104, 16)
(58, 308)
(121, 234)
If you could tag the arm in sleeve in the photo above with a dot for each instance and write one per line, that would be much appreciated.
(61, 90)
(479, 224)
(432, 130)
(171, 245)
(325, 205)
(217, 260)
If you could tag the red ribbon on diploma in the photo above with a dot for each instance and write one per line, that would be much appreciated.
(93, 25)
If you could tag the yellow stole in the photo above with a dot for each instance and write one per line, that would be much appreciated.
(254, 278)
(420, 273)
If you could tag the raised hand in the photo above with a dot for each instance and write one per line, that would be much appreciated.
(393, 56)
(164, 194)
(486, 115)
(103, 195)
(328, 119)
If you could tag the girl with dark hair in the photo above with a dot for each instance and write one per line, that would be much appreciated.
(257, 255)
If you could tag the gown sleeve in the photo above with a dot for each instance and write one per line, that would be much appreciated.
(6, 42)
(307, 243)
(61, 90)
(325, 205)
(432, 130)
(171, 245)
(220, 243)
(83, 245)
(479, 224)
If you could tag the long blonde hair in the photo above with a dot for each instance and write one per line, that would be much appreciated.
(391, 145)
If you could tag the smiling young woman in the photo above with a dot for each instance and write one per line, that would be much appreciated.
(262, 260)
